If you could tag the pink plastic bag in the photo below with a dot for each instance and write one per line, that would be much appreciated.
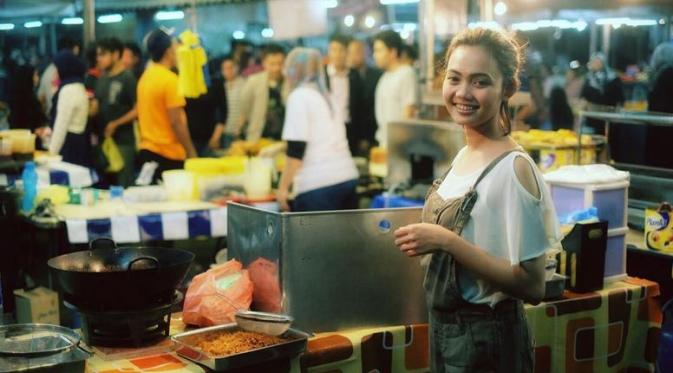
(214, 296)
(267, 296)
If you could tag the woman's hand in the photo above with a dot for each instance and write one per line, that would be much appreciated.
(214, 143)
(282, 196)
(423, 238)
(110, 129)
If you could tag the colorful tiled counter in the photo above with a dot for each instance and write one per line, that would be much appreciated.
(613, 330)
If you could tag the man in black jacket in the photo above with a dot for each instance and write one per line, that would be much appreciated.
(368, 77)
(346, 88)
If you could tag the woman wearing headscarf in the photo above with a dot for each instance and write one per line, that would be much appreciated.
(72, 108)
(319, 164)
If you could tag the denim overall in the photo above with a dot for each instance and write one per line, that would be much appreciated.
(466, 337)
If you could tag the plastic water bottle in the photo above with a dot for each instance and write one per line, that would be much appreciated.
(29, 177)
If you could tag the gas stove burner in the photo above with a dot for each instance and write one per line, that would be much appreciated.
(121, 304)
(126, 328)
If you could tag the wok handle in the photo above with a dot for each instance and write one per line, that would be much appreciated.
(102, 243)
(150, 258)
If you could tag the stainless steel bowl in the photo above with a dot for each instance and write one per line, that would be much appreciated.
(36, 339)
(263, 322)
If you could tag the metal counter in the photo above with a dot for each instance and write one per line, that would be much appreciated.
(337, 269)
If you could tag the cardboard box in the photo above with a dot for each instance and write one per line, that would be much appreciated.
(39, 305)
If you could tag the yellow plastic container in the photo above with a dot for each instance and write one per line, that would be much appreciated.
(216, 166)
(213, 173)
(554, 149)
(58, 194)
(23, 141)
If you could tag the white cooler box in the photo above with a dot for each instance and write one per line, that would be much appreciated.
(611, 200)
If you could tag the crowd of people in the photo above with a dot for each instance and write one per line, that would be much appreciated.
(558, 92)
(133, 96)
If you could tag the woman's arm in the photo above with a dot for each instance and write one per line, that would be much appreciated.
(214, 142)
(524, 281)
(64, 110)
(292, 166)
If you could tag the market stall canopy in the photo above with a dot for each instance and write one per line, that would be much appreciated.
(38, 8)
(32, 8)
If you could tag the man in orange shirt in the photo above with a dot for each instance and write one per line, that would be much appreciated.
(164, 135)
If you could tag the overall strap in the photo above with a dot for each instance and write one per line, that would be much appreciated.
(494, 163)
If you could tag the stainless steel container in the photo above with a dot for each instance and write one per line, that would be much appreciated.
(38, 348)
(336, 269)
(294, 345)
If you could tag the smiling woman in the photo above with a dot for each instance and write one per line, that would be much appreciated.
(486, 223)
(488, 62)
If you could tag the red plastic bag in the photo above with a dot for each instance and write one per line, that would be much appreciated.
(214, 296)
(267, 296)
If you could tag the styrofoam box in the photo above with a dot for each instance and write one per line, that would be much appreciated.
(615, 255)
(610, 199)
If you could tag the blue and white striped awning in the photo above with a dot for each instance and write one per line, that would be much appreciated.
(57, 173)
(174, 225)
(151, 227)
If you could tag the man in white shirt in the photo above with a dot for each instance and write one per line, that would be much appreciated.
(344, 86)
(337, 76)
(396, 90)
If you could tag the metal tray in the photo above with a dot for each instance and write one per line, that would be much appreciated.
(295, 345)
(36, 339)
(40, 348)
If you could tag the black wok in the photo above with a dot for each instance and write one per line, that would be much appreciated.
(108, 277)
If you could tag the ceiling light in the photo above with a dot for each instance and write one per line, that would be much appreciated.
(349, 20)
(72, 21)
(110, 18)
(266, 33)
(500, 8)
(525, 26)
(484, 24)
(169, 15)
(6, 26)
(238, 35)
(612, 21)
(370, 21)
(32, 24)
(397, 2)
(330, 4)
(642, 22)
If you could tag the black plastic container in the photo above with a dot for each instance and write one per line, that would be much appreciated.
(583, 258)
